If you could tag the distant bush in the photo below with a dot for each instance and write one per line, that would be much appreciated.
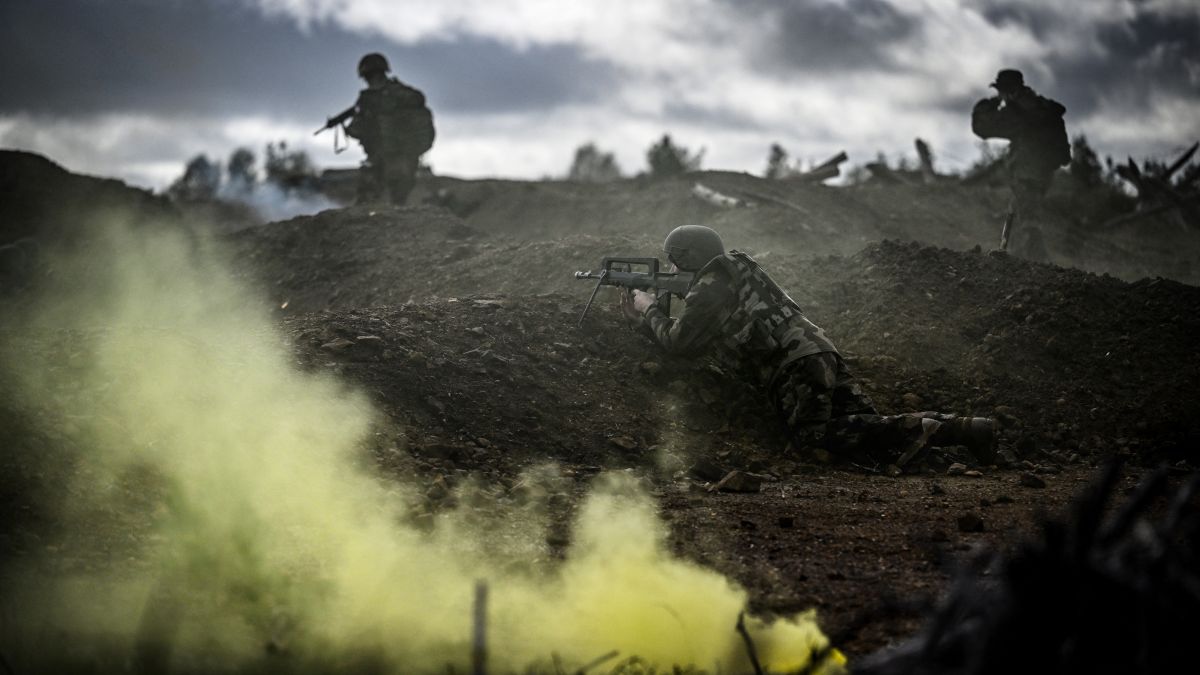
(240, 170)
(667, 159)
(290, 170)
(778, 165)
(593, 166)
(200, 181)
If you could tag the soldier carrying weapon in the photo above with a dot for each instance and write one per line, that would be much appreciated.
(395, 127)
(1038, 146)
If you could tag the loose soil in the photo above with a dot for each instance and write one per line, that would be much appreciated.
(461, 322)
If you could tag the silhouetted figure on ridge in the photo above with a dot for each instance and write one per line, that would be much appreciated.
(395, 127)
(1039, 145)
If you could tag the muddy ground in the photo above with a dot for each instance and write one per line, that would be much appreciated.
(459, 319)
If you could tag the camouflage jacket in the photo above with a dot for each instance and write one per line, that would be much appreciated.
(740, 318)
(1034, 127)
(392, 120)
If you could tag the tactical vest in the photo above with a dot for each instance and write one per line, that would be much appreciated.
(766, 330)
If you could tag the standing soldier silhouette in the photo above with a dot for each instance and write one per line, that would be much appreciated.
(395, 128)
(1038, 146)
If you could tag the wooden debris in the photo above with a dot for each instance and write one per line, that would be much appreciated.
(750, 649)
(830, 168)
(1158, 194)
(738, 481)
(479, 635)
(926, 155)
(599, 660)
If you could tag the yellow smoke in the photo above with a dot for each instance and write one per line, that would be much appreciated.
(219, 511)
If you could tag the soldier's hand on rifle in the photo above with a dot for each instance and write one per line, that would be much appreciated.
(634, 303)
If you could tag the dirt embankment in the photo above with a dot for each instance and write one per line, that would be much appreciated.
(463, 330)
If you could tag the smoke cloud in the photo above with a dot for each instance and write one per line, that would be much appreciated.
(217, 508)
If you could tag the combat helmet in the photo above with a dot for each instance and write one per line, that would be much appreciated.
(690, 247)
(373, 63)
(1008, 80)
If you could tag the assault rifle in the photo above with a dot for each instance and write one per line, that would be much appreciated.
(337, 121)
(637, 273)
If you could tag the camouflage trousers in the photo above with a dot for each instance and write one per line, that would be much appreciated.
(387, 180)
(826, 409)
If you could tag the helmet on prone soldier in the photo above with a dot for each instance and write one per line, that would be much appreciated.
(690, 247)
(373, 63)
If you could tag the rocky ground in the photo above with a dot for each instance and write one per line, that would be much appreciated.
(460, 320)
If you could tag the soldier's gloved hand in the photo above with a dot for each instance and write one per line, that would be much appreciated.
(633, 304)
(642, 301)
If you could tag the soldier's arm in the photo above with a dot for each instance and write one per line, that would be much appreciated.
(357, 126)
(988, 120)
(705, 308)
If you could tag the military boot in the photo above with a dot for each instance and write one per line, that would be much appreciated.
(978, 434)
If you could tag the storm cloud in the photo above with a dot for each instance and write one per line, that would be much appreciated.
(517, 85)
(831, 37)
(1128, 62)
(79, 58)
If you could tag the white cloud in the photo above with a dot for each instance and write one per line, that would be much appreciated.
(150, 151)
(685, 68)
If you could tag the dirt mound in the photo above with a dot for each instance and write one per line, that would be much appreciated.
(43, 200)
(460, 321)
(1044, 347)
(1074, 359)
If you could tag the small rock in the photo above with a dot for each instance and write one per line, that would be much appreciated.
(822, 456)
(787, 522)
(623, 442)
(372, 342)
(936, 489)
(650, 367)
(1003, 499)
(957, 469)
(747, 525)
(435, 404)
(912, 401)
(738, 481)
(338, 345)
(437, 489)
(478, 330)
(706, 469)
(970, 522)
(1031, 481)
(973, 473)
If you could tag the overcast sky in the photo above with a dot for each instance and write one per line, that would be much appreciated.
(133, 88)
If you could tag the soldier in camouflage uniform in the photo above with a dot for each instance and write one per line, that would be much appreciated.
(395, 128)
(735, 315)
(1038, 145)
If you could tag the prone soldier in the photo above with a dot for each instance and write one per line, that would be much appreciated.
(737, 316)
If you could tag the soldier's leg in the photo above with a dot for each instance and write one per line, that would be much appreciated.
(803, 395)
(848, 396)
(1028, 197)
(370, 183)
(401, 178)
